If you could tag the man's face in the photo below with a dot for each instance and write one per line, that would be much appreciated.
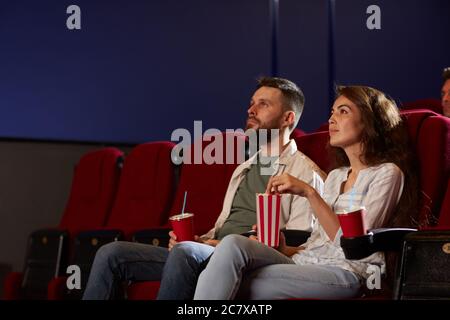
(266, 109)
(445, 95)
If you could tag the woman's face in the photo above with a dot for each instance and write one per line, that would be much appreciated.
(345, 124)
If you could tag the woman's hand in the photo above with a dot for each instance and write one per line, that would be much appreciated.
(286, 183)
(285, 249)
(282, 245)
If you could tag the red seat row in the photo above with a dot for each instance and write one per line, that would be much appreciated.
(114, 199)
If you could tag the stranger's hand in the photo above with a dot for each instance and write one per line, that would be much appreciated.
(286, 183)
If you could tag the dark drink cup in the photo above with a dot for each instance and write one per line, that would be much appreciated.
(183, 226)
(352, 223)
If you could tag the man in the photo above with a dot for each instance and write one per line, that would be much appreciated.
(276, 104)
(445, 92)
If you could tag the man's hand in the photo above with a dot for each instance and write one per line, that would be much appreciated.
(173, 240)
(254, 237)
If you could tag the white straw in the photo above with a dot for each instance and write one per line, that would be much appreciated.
(184, 203)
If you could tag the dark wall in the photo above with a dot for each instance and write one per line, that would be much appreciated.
(405, 58)
(134, 72)
(138, 69)
(303, 55)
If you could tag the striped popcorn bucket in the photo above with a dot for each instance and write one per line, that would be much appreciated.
(268, 207)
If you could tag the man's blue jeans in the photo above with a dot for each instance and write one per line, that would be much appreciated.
(128, 261)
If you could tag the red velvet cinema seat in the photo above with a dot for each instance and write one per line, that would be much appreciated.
(430, 104)
(145, 193)
(425, 257)
(314, 145)
(146, 189)
(206, 185)
(297, 133)
(92, 192)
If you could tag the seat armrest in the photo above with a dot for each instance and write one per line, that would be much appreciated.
(295, 238)
(88, 242)
(383, 239)
(157, 237)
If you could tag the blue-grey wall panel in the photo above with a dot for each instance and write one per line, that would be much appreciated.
(303, 52)
(134, 72)
(405, 57)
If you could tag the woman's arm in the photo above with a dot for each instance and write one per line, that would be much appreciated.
(286, 183)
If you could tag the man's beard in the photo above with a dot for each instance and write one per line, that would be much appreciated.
(268, 127)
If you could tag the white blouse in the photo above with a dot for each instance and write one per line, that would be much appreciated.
(378, 189)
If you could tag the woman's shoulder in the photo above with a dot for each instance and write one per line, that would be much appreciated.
(383, 169)
(338, 173)
(387, 168)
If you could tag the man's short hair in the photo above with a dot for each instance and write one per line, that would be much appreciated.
(293, 98)
(446, 74)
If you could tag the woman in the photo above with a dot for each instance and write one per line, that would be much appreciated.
(370, 146)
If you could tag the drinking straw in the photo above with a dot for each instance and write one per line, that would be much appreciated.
(184, 203)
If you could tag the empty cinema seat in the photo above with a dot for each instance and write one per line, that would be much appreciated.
(145, 193)
(206, 185)
(91, 196)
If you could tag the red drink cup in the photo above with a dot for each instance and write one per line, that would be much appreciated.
(352, 223)
(183, 226)
(268, 211)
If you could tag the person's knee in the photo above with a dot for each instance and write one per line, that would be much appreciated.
(111, 251)
(234, 241)
(183, 250)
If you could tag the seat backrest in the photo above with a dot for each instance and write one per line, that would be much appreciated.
(314, 145)
(433, 154)
(296, 133)
(444, 216)
(146, 188)
(94, 186)
(206, 184)
(430, 104)
(418, 115)
(322, 127)
(414, 120)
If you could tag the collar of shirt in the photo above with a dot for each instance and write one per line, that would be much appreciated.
(283, 159)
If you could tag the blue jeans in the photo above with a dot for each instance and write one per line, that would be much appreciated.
(245, 269)
(128, 261)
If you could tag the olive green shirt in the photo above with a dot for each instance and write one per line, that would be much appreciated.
(243, 210)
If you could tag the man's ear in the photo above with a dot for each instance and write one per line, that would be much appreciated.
(290, 118)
